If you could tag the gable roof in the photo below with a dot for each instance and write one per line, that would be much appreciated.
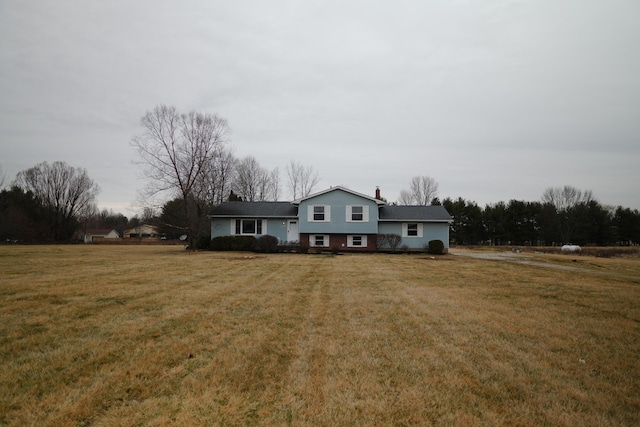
(432, 213)
(255, 209)
(346, 190)
(101, 231)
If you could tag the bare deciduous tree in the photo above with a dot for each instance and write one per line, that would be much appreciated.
(567, 197)
(302, 180)
(565, 200)
(422, 190)
(220, 179)
(67, 193)
(3, 178)
(272, 187)
(177, 151)
(405, 198)
(248, 172)
(254, 183)
(215, 183)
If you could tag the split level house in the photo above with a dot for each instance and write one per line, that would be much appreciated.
(337, 218)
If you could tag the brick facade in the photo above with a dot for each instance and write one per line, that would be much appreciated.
(339, 242)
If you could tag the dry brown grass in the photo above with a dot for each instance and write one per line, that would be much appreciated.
(151, 335)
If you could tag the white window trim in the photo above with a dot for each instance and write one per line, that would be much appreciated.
(350, 241)
(365, 213)
(405, 232)
(327, 213)
(312, 240)
(233, 227)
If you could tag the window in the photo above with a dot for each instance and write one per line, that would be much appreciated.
(356, 241)
(412, 229)
(319, 213)
(248, 226)
(321, 240)
(357, 213)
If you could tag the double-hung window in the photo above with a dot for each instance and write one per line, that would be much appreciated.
(357, 213)
(319, 213)
(356, 241)
(248, 226)
(318, 240)
(412, 229)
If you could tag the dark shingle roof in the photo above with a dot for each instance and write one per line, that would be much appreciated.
(414, 213)
(288, 210)
(255, 209)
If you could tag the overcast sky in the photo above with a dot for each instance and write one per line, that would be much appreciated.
(494, 99)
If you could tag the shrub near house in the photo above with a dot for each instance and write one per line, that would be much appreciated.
(233, 243)
(435, 247)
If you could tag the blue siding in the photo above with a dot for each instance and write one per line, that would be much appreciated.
(430, 231)
(277, 227)
(338, 201)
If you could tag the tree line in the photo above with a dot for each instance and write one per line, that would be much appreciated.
(518, 222)
(190, 167)
(50, 202)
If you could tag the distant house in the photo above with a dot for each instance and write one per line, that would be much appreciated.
(143, 231)
(334, 218)
(91, 235)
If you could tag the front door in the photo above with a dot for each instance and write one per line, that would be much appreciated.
(292, 230)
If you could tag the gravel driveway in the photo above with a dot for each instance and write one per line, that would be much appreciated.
(515, 257)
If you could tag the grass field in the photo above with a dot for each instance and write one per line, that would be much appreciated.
(154, 335)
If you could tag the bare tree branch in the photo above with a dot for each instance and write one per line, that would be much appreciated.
(565, 200)
(3, 178)
(67, 193)
(422, 190)
(405, 198)
(177, 152)
(254, 183)
(302, 180)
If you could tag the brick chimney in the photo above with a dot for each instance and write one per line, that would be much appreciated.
(378, 193)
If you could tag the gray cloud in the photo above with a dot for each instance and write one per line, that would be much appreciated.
(494, 99)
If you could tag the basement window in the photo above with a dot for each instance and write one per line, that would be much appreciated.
(319, 240)
(356, 241)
